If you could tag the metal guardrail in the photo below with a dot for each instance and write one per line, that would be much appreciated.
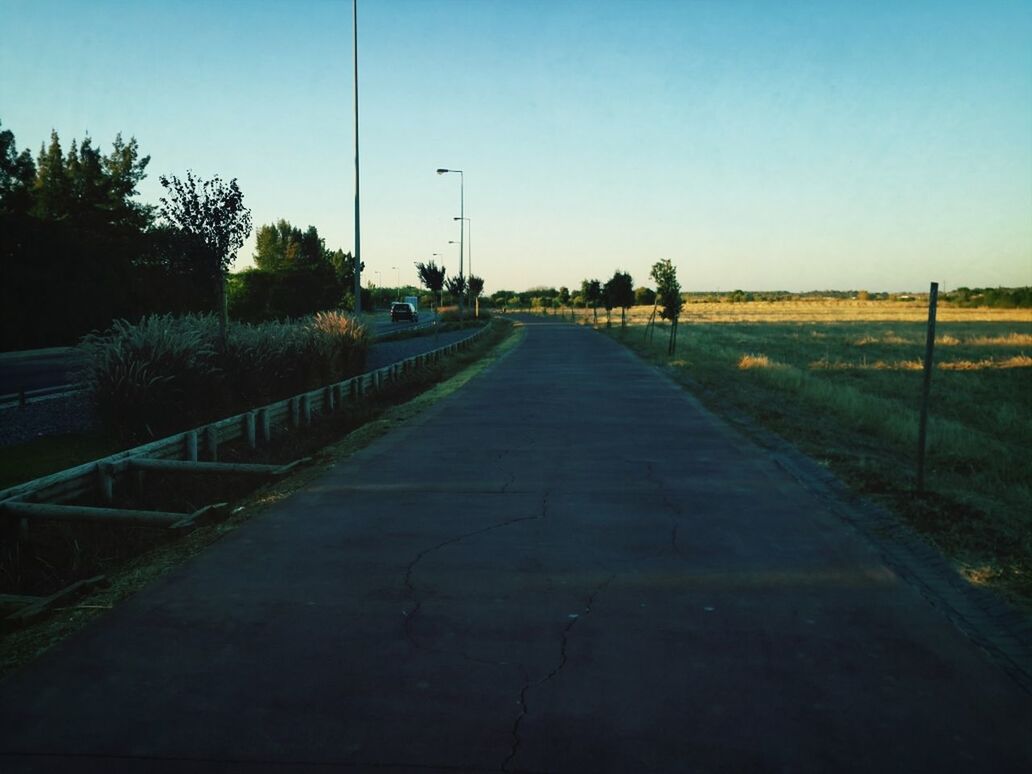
(23, 397)
(255, 426)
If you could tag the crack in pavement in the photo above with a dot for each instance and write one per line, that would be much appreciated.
(528, 685)
(672, 508)
(410, 615)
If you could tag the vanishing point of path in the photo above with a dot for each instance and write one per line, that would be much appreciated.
(566, 566)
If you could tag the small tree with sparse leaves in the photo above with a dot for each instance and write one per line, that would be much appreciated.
(668, 294)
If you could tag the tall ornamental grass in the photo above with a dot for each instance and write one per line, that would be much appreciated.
(166, 373)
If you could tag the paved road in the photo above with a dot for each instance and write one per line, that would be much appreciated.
(566, 566)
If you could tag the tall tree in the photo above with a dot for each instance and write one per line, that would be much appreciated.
(51, 190)
(456, 286)
(281, 246)
(211, 216)
(591, 292)
(622, 290)
(668, 294)
(609, 299)
(17, 173)
(123, 169)
(432, 277)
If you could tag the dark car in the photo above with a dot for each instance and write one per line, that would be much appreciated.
(400, 310)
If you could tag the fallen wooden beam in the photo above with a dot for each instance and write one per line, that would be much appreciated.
(40, 605)
(90, 513)
(188, 466)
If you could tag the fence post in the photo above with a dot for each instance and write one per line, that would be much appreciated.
(105, 481)
(249, 429)
(328, 400)
(190, 441)
(211, 442)
(933, 297)
(295, 412)
(264, 425)
(306, 410)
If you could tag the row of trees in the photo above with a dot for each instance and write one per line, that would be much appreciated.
(77, 250)
(435, 279)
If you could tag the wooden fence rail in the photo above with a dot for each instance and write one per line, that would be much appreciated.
(202, 443)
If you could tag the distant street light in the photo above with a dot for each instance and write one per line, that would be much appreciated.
(462, 212)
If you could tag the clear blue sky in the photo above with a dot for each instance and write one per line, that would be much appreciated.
(760, 145)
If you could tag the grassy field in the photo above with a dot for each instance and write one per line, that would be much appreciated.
(842, 379)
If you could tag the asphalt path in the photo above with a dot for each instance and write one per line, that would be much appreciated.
(568, 565)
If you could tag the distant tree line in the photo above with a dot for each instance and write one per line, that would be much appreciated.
(77, 250)
(999, 298)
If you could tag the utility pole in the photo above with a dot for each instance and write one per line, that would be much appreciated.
(358, 239)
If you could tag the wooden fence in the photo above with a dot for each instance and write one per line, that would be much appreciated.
(195, 451)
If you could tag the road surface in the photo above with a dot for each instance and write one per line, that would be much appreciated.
(566, 566)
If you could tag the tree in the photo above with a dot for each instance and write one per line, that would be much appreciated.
(280, 245)
(456, 286)
(17, 172)
(91, 190)
(214, 222)
(609, 299)
(432, 277)
(591, 292)
(668, 292)
(51, 190)
(644, 296)
(622, 290)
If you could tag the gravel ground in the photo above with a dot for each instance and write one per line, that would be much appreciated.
(72, 414)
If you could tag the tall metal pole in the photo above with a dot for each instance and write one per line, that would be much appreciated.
(358, 239)
(922, 428)
(462, 231)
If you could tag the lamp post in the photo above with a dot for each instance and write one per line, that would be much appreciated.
(462, 212)
(358, 241)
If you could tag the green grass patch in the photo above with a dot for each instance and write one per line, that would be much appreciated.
(848, 393)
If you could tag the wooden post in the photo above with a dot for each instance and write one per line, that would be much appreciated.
(106, 482)
(306, 410)
(264, 425)
(190, 441)
(211, 442)
(933, 298)
(249, 430)
(328, 400)
(295, 412)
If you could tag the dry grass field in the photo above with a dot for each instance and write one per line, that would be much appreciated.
(842, 380)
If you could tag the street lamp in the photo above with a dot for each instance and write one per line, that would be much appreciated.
(462, 212)
(358, 240)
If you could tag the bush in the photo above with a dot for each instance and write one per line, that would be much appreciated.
(167, 373)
